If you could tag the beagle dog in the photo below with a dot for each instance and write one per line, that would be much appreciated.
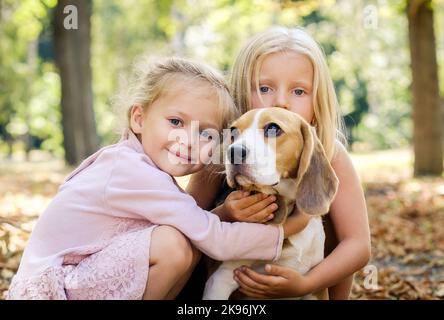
(275, 151)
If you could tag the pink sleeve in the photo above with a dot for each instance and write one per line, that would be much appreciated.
(151, 194)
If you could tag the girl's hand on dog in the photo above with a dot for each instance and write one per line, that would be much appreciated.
(280, 282)
(243, 207)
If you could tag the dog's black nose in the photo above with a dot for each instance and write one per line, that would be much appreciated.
(237, 153)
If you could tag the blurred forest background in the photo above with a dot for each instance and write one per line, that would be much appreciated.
(59, 77)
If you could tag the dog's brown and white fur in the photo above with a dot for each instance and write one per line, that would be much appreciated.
(290, 164)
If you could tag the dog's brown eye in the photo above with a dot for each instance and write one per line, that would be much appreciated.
(272, 130)
(234, 133)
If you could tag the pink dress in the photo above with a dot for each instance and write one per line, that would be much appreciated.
(93, 240)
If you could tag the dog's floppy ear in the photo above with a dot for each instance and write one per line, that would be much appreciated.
(316, 180)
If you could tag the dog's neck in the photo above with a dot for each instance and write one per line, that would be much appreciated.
(287, 188)
(285, 192)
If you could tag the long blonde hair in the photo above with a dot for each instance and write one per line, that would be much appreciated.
(327, 117)
(154, 77)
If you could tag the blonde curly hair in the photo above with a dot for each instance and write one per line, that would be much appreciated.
(155, 77)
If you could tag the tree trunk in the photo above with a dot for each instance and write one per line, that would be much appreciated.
(426, 108)
(72, 55)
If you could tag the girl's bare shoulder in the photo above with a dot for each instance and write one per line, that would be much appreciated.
(342, 162)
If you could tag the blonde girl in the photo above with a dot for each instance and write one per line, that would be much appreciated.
(286, 68)
(120, 227)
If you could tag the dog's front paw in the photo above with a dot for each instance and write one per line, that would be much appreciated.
(219, 287)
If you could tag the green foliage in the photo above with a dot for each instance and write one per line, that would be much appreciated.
(28, 89)
(370, 66)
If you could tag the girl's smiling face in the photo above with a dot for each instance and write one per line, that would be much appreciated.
(176, 131)
(285, 81)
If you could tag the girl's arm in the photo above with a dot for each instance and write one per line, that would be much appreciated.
(203, 187)
(239, 205)
(341, 290)
(348, 213)
(349, 216)
(137, 190)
